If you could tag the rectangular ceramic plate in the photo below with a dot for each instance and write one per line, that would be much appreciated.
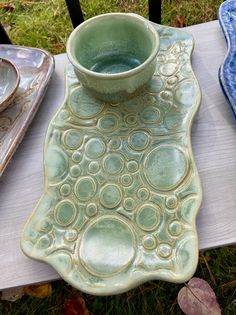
(121, 187)
(36, 67)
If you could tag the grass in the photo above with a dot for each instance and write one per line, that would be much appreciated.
(46, 24)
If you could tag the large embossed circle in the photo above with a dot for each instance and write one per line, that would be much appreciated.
(113, 163)
(138, 140)
(108, 122)
(185, 93)
(165, 167)
(95, 148)
(72, 138)
(148, 217)
(110, 196)
(85, 188)
(83, 105)
(56, 164)
(107, 247)
(65, 213)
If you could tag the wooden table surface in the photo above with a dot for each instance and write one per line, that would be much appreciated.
(214, 147)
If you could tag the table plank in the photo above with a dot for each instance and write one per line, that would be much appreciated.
(214, 147)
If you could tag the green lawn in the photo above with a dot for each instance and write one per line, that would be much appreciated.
(46, 24)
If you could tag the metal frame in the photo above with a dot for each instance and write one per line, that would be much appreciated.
(76, 16)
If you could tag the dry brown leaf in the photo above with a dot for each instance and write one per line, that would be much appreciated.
(12, 294)
(39, 291)
(179, 21)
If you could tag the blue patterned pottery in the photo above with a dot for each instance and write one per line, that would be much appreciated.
(227, 71)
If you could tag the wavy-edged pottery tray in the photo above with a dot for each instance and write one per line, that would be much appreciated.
(36, 68)
(121, 187)
(227, 71)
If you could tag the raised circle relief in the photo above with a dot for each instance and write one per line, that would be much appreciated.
(149, 242)
(126, 180)
(113, 163)
(65, 190)
(132, 166)
(95, 148)
(110, 196)
(175, 228)
(138, 140)
(91, 209)
(143, 194)
(85, 188)
(108, 122)
(148, 217)
(65, 213)
(83, 105)
(107, 247)
(93, 167)
(129, 204)
(165, 167)
(72, 139)
(164, 250)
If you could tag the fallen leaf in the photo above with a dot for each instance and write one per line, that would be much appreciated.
(75, 306)
(39, 291)
(7, 6)
(12, 294)
(179, 21)
(198, 298)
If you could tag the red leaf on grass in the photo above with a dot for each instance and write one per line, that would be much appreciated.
(7, 6)
(198, 298)
(75, 306)
(179, 21)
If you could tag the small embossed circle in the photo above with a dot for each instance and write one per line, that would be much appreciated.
(75, 170)
(44, 225)
(85, 188)
(113, 163)
(77, 156)
(164, 250)
(148, 217)
(138, 140)
(84, 105)
(126, 180)
(108, 122)
(93, 167)
(129, 204)
(44, 242)
(65, 213)
(175, 228)
(110, 196)
(172, 80)
(107, 247)
(72, 139)
(149, 242)
(115, 143)
(131, 119)
(168, 68)
(165, 167)
(143, 194)
(166, 95)
(155, 85)
(132, 166)
(150, 115)
(65, 190)
(95, 148)
(71, 235)
(91, 209)
(171, 202)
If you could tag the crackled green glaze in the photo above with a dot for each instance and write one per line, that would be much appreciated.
(121, 187)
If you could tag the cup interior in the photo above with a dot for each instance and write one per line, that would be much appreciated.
(113, 43)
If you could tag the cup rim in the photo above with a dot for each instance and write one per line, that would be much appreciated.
(118, 75)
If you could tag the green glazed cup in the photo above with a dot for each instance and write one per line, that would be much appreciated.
(114, 54)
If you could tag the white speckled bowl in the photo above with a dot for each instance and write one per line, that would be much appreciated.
(9, 82)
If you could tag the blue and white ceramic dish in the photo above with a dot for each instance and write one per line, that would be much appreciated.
(227, 71)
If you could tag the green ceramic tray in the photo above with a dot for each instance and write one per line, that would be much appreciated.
(121, 187)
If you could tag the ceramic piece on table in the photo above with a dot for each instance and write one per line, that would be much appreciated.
(121, 187)
(35, 67)
(227, 71)
(9, 82)
(114, 54)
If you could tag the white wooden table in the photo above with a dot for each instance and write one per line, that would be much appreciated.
(214, 146)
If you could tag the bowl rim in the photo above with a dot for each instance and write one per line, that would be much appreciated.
(119, 75)
(15, 85)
